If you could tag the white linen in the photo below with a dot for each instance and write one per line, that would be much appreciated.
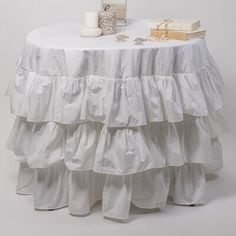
(85, 189)
(116, 102)
(149, 189)
(51, 190)
(116, 151)
(61, 77)
(124, 123)
(25, 180)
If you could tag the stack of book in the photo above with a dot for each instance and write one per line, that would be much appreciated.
(176, 29)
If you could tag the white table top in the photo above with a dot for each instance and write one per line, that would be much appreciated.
(67, 36)
(60, 50)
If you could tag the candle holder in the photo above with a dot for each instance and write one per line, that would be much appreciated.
(119, 7)
(107, 21)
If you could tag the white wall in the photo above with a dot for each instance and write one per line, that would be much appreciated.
(18, 17)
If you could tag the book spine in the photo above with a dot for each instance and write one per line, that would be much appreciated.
(175, 26)
(170, 34)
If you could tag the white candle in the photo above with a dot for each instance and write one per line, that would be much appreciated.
(91, 19)
(90, 32)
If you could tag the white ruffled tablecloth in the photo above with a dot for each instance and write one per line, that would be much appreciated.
(97, 119)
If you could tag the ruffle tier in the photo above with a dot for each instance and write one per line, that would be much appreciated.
(121, 126)
(120, 151)
(56, 187)
(116, 102)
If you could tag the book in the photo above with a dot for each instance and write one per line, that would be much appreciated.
(179, 35)
(176, 24)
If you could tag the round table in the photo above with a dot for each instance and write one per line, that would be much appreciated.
(103, 120)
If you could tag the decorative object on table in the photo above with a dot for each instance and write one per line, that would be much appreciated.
(90, 32)
(120, 8)
(163, 30)
(175, 24)
(91, 19)
(179, 35)
(163, 38)
(91, 29)
(139, 41)
(107, 21)
(120, 38)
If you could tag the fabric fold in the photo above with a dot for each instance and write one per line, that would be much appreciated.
(118, 151)
(122, 124)
(116, 102)
(56, 187)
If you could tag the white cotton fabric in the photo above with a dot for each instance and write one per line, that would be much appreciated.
(118, 151)
(151, 188)
(119, 85)
(85, 189)
(52, 189)
(117, 122)
(190, 184)
(25, 180)
(117, 102)
(117, 196)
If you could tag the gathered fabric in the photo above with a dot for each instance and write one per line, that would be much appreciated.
(57, 187)
(119, 151)
(122, 123)
(117, 102)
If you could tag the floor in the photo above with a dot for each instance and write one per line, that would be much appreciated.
(217, 217)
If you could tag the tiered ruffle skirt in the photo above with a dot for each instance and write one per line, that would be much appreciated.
(130, 140)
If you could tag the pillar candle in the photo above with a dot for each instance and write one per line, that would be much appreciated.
(91, 19)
